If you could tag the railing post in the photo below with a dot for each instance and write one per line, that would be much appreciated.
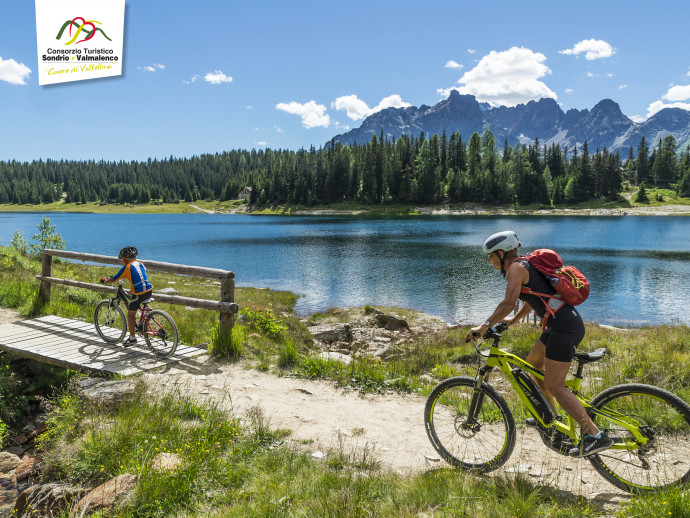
(227, 294)
(46, 271)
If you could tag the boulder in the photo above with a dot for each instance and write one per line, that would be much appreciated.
(8, 461)
(332, 332)
(30, 467)
(336, 356)
(48, 500)
(107, 495)
(110, 393)
(391, 323)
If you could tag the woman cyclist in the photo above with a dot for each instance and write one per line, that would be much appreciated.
(554, 350)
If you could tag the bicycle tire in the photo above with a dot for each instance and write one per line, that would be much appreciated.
(110, 322)
(664, 418)
(163, 341)
(493, 436)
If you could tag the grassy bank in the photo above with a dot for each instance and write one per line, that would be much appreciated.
(243, 468)
(657, 199)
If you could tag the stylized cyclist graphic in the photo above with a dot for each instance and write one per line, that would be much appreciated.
(84, 23)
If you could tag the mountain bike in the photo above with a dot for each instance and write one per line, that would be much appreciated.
(155, 325)
(471, 426)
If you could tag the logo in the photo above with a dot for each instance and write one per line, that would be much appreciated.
(89, 33)
(87, 46)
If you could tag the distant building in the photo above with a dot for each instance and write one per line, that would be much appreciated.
(245, 193)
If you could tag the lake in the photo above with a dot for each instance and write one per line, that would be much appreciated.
(638, 267)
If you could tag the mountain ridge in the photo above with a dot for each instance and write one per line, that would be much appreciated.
(604, 126)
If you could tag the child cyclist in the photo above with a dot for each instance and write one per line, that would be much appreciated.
(135, 273)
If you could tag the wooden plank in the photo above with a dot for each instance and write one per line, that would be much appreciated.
(159, 266)
(213, 305)
(75, 345)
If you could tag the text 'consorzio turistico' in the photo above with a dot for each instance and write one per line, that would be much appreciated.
(80, 55)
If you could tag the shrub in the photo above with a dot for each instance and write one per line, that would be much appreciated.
(19, 242)
(46, 238)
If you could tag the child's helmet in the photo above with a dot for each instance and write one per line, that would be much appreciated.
(128, 252)
(506, 241)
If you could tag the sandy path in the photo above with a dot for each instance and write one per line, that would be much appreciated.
(387, 428)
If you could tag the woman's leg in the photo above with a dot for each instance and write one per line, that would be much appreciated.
(554, 380)
(536, 359)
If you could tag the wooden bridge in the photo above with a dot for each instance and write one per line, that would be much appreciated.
(76, 345)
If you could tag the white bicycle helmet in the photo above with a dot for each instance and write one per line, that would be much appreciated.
(506, 241)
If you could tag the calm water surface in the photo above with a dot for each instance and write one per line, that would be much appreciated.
(639, 267)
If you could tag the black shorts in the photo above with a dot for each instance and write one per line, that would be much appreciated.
(563, 334)
(138, 300)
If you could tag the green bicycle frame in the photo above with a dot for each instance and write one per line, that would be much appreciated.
(503, 360)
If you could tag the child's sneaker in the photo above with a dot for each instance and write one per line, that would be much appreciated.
(591, 444)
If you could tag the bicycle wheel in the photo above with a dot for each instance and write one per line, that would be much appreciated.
(160, 333)
(481, 446)
(663, 418)
(110, 321)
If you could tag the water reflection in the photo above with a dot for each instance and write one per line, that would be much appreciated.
(433, 264)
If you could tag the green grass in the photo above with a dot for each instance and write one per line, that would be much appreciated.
(234, 468)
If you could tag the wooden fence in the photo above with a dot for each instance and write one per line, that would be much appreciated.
(225, 306)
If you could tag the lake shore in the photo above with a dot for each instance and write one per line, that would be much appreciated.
(346, 209)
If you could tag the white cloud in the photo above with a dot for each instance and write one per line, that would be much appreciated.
(589, 74)
(593, 49)
(13, 72)
(636, 118)
(217, 77)
(452, 64)
(569, 90)
(313, 115)
(356, 109)
(262, 143)
(621, 87)
(152, 68)
(194, 79)
(677, 93)
(249, 107)
(279, 130)
(657, 106)
(471, 51)
(609, 75)
(508, 78)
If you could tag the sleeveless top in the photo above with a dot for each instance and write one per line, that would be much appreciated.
(537, 282)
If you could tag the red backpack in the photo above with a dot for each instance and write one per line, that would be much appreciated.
(570, 283)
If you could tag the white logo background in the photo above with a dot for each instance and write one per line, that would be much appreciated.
(50, 17)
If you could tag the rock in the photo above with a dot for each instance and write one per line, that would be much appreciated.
(520, 468)
(8, 462)
(336, 356)
(6, 511)
(107, 495)
(40, 428)
(82, 384)
(391, 323)
(168, 291)
(47, 500)
(14, 450)
(110, 393)
(166, 462)
(30, 467)
(19, 440)
(382, 352)
(332, 332)
(432, 458)
(318, 455)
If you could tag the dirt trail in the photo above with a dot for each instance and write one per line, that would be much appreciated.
(386, 428)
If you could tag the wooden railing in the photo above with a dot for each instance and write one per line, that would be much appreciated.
(225, 306)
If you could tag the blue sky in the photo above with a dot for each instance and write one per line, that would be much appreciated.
(208, 76)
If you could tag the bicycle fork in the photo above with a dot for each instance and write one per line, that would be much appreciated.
(477, 397)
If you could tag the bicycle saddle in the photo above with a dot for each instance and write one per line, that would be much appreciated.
(590, 357)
